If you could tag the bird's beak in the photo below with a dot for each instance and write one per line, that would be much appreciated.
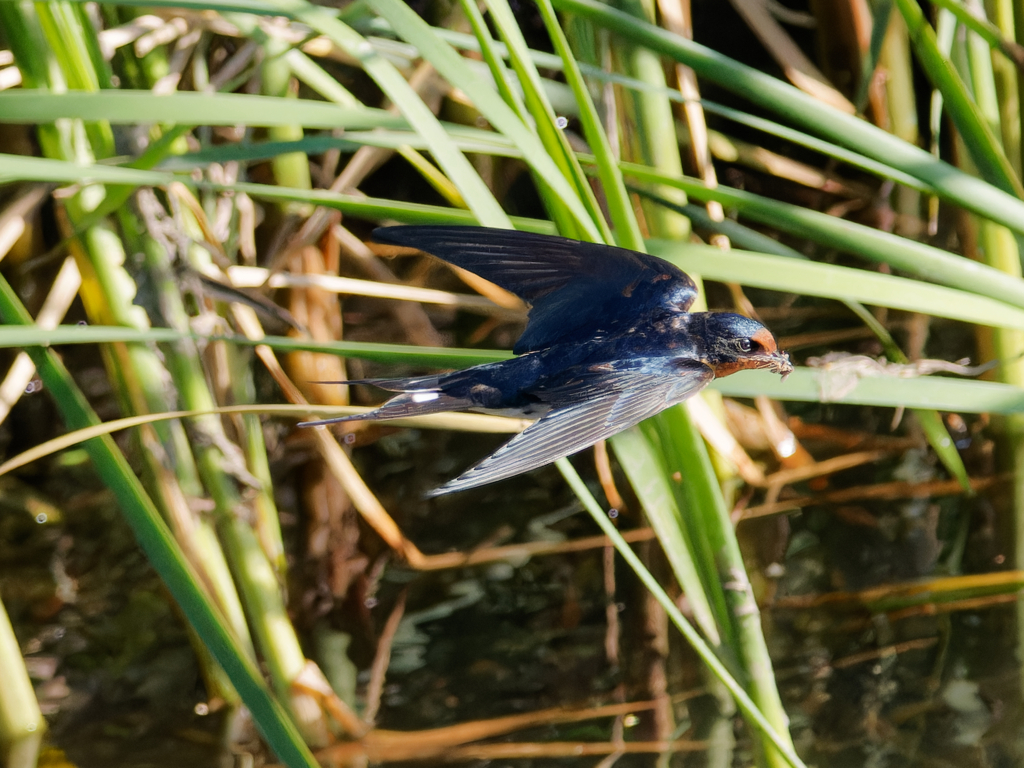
(776, 362)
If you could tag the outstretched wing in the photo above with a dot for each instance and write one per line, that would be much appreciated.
(576, 290)
(601, 406)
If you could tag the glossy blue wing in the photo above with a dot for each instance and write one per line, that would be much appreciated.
(601, 404)
(576, 290)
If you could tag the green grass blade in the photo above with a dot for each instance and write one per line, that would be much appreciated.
(22, 168)
(620, 207)
(494, 55)
(454, 69)
(376, 209)
(466, 139)
(455, 165)
(938, 393)
(938, 437)
(744, 702)
(979, 138)
(539, 107)
(827, 280)
(134, 107)
(854, 159)
(316, 77)
(21, 721)
(646, 472)
(16, 336)
(809, 113)
(18, 168)
(709, 522)
(162, 550)
(902, 253)
(556, 209)
(985, 29)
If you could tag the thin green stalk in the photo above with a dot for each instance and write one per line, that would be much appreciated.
(21, 723)
(1005, 74)
(560, 215)
(188, 108)
(920, 259)
(648, 126)
(268, 615)
(161, 549)
(453, 68)
(882, 12)
(977, 133)
(1000, 249)
(312, 74)
(806, 111)
(901, 107)
(290, 169)
(108, 292)
(390, 80)
(643, 465)
(254, 577)
(78, 59)
(551, 135)
(267, 521)
(250, 432)
(493, 54)
(999, 36)
(745, 703)
(620, 207)
(686, 457)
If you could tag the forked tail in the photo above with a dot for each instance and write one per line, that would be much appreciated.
(418, 396)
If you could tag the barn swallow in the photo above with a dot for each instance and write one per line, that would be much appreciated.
(609, 342)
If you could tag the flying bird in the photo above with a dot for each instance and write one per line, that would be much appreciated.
(609, 342)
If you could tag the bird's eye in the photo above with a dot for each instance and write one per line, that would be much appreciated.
(745, 345)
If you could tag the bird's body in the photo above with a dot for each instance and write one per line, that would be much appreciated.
(610, 341)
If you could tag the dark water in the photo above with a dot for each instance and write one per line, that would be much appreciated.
(917, 688)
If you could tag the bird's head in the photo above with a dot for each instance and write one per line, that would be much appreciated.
(737, 343)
